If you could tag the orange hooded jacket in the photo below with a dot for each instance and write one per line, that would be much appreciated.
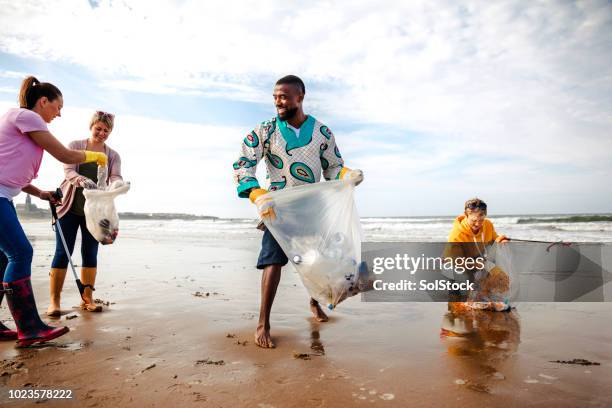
(462, 232)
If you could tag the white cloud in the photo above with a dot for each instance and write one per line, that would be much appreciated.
(201, 87)
(506, 80)
(12, 74)
(173, 166)
(9, 90)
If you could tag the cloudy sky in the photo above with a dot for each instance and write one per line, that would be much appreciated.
(437, 101)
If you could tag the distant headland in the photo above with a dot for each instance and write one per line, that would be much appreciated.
(29, 210)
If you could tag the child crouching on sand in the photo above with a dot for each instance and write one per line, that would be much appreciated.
(471, 231)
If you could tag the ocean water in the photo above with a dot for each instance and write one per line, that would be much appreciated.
(579, 228)
(582, 228)
(553, 228)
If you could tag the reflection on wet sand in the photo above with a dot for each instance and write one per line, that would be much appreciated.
(315, 339)
(481, 342)
(166, 339)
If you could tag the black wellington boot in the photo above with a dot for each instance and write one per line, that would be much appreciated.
(5, 332)
(30, 328)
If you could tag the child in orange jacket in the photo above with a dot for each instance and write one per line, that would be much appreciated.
(474, 228)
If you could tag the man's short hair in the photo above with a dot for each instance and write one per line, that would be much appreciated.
(476, 204)
(292, 80)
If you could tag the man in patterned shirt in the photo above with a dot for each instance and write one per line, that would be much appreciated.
(296, 148)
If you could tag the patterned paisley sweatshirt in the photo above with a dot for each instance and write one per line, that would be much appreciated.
(290, 160)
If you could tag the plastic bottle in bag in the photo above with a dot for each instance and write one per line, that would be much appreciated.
(100, 214)
(318, 227)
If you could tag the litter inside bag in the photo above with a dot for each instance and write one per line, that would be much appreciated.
(495, 286)
(318, 227)
(100, 213)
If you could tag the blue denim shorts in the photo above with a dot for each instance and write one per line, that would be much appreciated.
(271, 253)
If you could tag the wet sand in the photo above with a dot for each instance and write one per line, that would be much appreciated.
(179, 331)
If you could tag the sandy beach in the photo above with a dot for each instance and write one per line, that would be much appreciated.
(436, 173)
(178, 330)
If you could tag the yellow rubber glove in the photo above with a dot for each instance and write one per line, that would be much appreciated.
(264, 204)
(97, 157)
(256, 193)
(355, 176)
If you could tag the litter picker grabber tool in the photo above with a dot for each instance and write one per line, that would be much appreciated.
(54, 222)
(552, 244)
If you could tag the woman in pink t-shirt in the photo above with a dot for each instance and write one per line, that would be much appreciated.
(23, 139)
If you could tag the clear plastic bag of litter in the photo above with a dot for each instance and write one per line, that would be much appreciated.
(494, 284)
(318, 228)
(496, 287)
(100, 214)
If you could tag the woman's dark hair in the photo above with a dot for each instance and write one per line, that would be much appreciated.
(32, 90)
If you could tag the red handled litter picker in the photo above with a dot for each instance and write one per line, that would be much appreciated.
(56, 225)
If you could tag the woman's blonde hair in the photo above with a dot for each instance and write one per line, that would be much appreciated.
(100, 116)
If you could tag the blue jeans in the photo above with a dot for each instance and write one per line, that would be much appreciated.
(15, 249)
(70, 224)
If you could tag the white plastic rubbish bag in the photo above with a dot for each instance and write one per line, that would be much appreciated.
(100, 213)
(318, 227)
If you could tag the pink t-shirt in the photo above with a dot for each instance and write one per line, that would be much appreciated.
(20, 157)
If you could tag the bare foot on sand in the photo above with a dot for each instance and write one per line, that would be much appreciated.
(316, 310)
(262, 337)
